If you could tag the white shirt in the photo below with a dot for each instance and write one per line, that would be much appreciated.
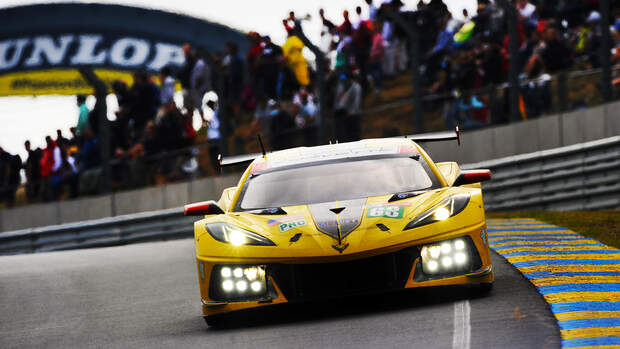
(528, 10)
(57, 159)
(201, 72)
(386, 32)
(372, 10)
(213, 131)
(167, 90)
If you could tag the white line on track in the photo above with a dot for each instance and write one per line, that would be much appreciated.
(462, 326)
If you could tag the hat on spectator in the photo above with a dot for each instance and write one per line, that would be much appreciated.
(594, 17)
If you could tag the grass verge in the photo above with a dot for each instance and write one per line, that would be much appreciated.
(601, 225)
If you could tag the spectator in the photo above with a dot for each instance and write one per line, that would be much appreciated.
(144, 102)
(253, 55)
(184, 76)
(372, 10)
(12, 180)
(289, 22)
(526, 9)
(552, 54)
(170, 131)
(281, 124)
(213, 133)
(292, 50)
(362, 42)
(270, 63)
(233, 73)
(142, 157)
(347, 109)
(389, 42)
(346, 28)
(327, 30)
(89, 163)
(82, 123)
(377, 54)
(33, 172)
(65, 175)
(60, 139)
(167, 87)
(307, 109)
(120, 129)
(200, 82)
(5, 168)
(50, 162)
(357, 19)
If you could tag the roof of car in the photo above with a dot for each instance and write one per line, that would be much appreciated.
(363, 148)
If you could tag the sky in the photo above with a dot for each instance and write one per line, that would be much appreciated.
(35, 117)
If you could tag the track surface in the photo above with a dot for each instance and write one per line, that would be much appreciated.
(146, 295)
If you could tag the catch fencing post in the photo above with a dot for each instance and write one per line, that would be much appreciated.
(605, 50)
(320, 76)
(101, 92)
(513, 51)
(412, 33)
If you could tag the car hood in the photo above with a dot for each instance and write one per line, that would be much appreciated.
(347, 226)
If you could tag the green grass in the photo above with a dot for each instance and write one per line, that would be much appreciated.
(601, 225)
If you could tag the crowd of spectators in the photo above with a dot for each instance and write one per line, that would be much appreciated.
(276, 87)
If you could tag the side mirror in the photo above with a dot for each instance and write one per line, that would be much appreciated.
(202, 208)
(472, 176)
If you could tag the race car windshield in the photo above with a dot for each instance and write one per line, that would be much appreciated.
(342, 180)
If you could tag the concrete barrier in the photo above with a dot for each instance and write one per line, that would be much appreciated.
(548, 135)
(31, 216)
(612, 119)
(594, 123)
(176, 195)
(140, 200)
(85, 209)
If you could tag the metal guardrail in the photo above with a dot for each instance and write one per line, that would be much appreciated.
(120, 230)
(583, 176)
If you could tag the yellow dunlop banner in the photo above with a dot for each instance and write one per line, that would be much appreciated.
(56, 82)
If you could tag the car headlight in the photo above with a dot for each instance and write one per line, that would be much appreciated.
(231, 283)
(442, 211)
(231, 234)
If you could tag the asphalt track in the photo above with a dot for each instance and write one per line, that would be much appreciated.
(146, 295)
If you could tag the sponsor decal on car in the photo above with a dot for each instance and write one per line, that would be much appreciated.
(290, 225)
(385, 211)
(285, 219)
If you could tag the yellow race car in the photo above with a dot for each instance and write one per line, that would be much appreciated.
(335, 220)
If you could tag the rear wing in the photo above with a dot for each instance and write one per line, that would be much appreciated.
(438, 136)
(237, 159)
(423, 137)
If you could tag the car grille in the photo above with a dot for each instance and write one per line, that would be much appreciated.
(325, 280)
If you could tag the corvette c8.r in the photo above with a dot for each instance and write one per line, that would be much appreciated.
(335, 220)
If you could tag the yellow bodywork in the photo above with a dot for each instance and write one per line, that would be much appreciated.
(366, 240)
